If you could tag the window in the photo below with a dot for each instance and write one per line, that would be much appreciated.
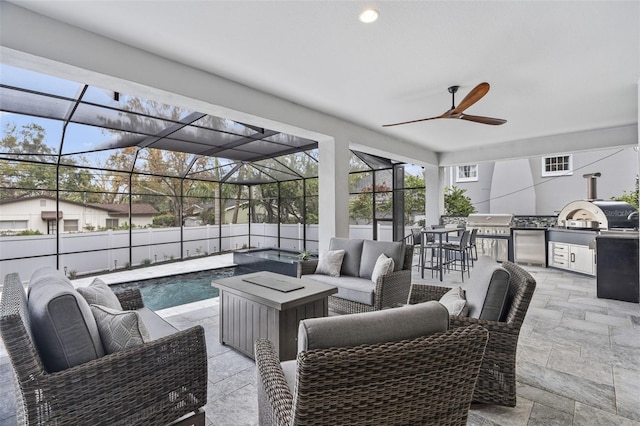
(561, 165)
(13, 224)
(467, 173)
(71, 225)
(112, 223)
(43, 203)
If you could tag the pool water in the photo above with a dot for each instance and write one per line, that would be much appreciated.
(279, 255)
(174, 290)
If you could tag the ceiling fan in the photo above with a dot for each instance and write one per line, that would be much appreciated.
(457, 112)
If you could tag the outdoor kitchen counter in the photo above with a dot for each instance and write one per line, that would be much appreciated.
(572, 250)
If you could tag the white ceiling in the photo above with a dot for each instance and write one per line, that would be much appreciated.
(554, 67)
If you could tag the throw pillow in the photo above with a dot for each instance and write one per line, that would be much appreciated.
(455, 302)
(119, 329)
(99, 293)
(330, 262)
(384, 265)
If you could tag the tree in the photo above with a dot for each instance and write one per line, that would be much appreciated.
(456, 203)
(414, 197)
(34, 170)
(629, 197)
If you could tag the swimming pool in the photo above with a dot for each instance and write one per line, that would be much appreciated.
(174, 290)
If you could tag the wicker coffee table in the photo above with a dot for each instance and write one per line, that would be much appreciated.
(269, 305)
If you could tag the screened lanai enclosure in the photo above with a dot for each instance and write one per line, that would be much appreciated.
(94, 180)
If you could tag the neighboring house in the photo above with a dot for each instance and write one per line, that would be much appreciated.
(544, 185)
(38, 213)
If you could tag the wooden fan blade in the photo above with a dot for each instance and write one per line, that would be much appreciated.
(415, 121)
(474, 96)
(483, 120)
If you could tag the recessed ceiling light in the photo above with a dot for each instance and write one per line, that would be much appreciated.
(369, 15)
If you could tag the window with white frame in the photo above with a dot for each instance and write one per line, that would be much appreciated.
(112, 223)
(467, 173)
(558, 165)
(13, 224)
(71, 225)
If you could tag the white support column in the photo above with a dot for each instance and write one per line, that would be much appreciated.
(333, 195)
(434, 199)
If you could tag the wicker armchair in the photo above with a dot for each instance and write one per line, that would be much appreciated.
(497, 379)
(391, 290)
(155, 383)
(428, 380)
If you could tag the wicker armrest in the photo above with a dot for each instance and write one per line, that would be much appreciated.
(393, 289)
(130, 299)
(491, 326)
(308, 267)
(425, 293)
(275, 399)
(154, 383)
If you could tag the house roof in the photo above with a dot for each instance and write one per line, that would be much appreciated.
(141, 209)
(557, 69)
(137, 209)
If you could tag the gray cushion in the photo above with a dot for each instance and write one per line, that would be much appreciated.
(487, 289)
(352, 254)
(63, 326)
(99, 293)
(355, 289)
(156, 326)
(330, 263)
(389, 325)
(119, 330)
(371, 250)
(43, 275)
(289, 369)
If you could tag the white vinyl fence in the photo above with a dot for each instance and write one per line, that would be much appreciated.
(91, 252)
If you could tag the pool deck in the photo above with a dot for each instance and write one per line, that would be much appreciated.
(578, 359)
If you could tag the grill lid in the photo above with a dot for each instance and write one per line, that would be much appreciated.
(479, 219)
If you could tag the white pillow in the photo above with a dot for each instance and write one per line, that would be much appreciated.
(384, 265)
(119, 329)
(455, 302)
(330, 263)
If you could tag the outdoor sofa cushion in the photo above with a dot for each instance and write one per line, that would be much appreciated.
(388, 325)
(62, 323)
(371, 250)
(359, 290)
(487, 289)
(352, 254)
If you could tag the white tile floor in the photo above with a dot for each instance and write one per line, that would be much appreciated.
(578, 356)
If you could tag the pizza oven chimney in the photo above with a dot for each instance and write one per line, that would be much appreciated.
(592, 185)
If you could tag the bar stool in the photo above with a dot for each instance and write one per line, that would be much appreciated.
(458, 252)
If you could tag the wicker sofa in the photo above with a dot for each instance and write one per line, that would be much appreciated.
(71, 381)
(390, 367)
(356, 291)
(497, 379)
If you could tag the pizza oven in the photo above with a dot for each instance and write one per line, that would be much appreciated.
(597, 214)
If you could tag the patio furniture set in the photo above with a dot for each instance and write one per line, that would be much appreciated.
(68, 374)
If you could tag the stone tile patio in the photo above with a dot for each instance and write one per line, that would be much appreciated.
(578, 358)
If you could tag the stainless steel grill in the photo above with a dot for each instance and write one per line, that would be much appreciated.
(493, 235)
(490, 224)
